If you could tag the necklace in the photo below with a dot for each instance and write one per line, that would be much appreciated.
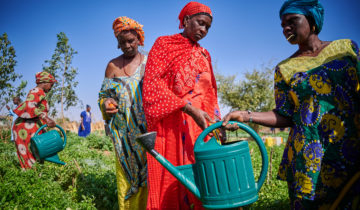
(129, 75)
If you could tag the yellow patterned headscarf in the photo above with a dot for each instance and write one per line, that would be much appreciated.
(125, 23)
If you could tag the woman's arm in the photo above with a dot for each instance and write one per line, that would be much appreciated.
(158, 100)
(269, 119)
(108, 106)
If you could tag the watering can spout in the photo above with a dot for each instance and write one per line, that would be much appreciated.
(55, 159)
(183, 173)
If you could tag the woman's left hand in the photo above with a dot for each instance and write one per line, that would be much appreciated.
(200, 117)
(49, 122)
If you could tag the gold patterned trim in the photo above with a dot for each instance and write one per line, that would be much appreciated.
(335, 50)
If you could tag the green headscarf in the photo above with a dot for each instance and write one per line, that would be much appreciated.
(311, 8)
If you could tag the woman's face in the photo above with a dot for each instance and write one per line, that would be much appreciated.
(47, 86)
(296, 26)
(196, 27)
(128, 42)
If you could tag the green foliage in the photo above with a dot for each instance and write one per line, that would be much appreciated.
(99, 142)
(274, 193)
(7, 73)
(254, 93)
(63, 92)
(87, 181)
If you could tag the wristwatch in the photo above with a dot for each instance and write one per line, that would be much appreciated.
(250, 117)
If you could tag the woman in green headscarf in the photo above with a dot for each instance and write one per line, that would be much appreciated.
(317, 95)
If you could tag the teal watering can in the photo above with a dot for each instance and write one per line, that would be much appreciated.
(222, 176)
(47, 145)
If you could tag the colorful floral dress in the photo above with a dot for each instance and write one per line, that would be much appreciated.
(321, 95)
(125, 126)
(30, 113)
(178, 72)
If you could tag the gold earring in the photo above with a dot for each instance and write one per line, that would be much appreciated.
(313, 28)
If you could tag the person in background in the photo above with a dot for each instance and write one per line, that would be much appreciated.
(180, 100)
(317, 95)
(32, 114)
(120, 101)
(85, 125)
(16, 101)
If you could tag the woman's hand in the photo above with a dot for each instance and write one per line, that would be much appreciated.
(240, 116)
(49, 122)
(8, 107)
(201, 117)
(110, 106)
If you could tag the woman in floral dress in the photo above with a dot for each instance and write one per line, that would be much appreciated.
(32, 114)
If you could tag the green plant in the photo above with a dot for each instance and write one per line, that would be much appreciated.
(87, 181)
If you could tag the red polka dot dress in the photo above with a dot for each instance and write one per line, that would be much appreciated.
(177, 72)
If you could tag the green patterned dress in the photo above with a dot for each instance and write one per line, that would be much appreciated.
(127, 124)
(321, 96)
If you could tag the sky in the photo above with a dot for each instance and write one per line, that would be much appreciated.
(244, 34)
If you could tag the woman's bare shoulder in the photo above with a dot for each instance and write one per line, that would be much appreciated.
(111, 67)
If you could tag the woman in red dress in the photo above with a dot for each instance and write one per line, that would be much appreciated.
(180, 100)
(32, 115)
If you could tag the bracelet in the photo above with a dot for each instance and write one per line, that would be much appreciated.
(250, 117)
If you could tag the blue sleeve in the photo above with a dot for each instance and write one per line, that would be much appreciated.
(284, 105)
(11, 113)
(83, 114)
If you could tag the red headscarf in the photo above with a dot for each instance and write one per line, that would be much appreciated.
(192, 8)
(42, 77)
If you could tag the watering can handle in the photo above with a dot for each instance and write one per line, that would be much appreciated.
(61, 129)
(247, 129)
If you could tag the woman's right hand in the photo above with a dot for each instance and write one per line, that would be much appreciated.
(110, 106)
(200, 117)
(240, 116)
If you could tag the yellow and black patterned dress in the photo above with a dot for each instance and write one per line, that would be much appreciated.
(321, 95)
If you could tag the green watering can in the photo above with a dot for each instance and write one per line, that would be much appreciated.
(222, 176)
(47, 145)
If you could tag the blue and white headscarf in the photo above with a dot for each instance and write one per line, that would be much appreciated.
(311, 8)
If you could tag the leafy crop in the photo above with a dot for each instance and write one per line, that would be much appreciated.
(88, 181)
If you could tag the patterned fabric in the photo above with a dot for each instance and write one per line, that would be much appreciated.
(192, 8)
(42, 77)
(86, 120)
(30, 113)
(178, 72)
(127, 124)
(321, 95)
(125, 23)
(136, 201)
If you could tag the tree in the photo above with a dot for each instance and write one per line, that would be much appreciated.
(7, 73)
(255, 92)
(60, 66)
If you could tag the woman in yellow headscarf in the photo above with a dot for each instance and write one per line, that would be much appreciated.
(121, 104)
